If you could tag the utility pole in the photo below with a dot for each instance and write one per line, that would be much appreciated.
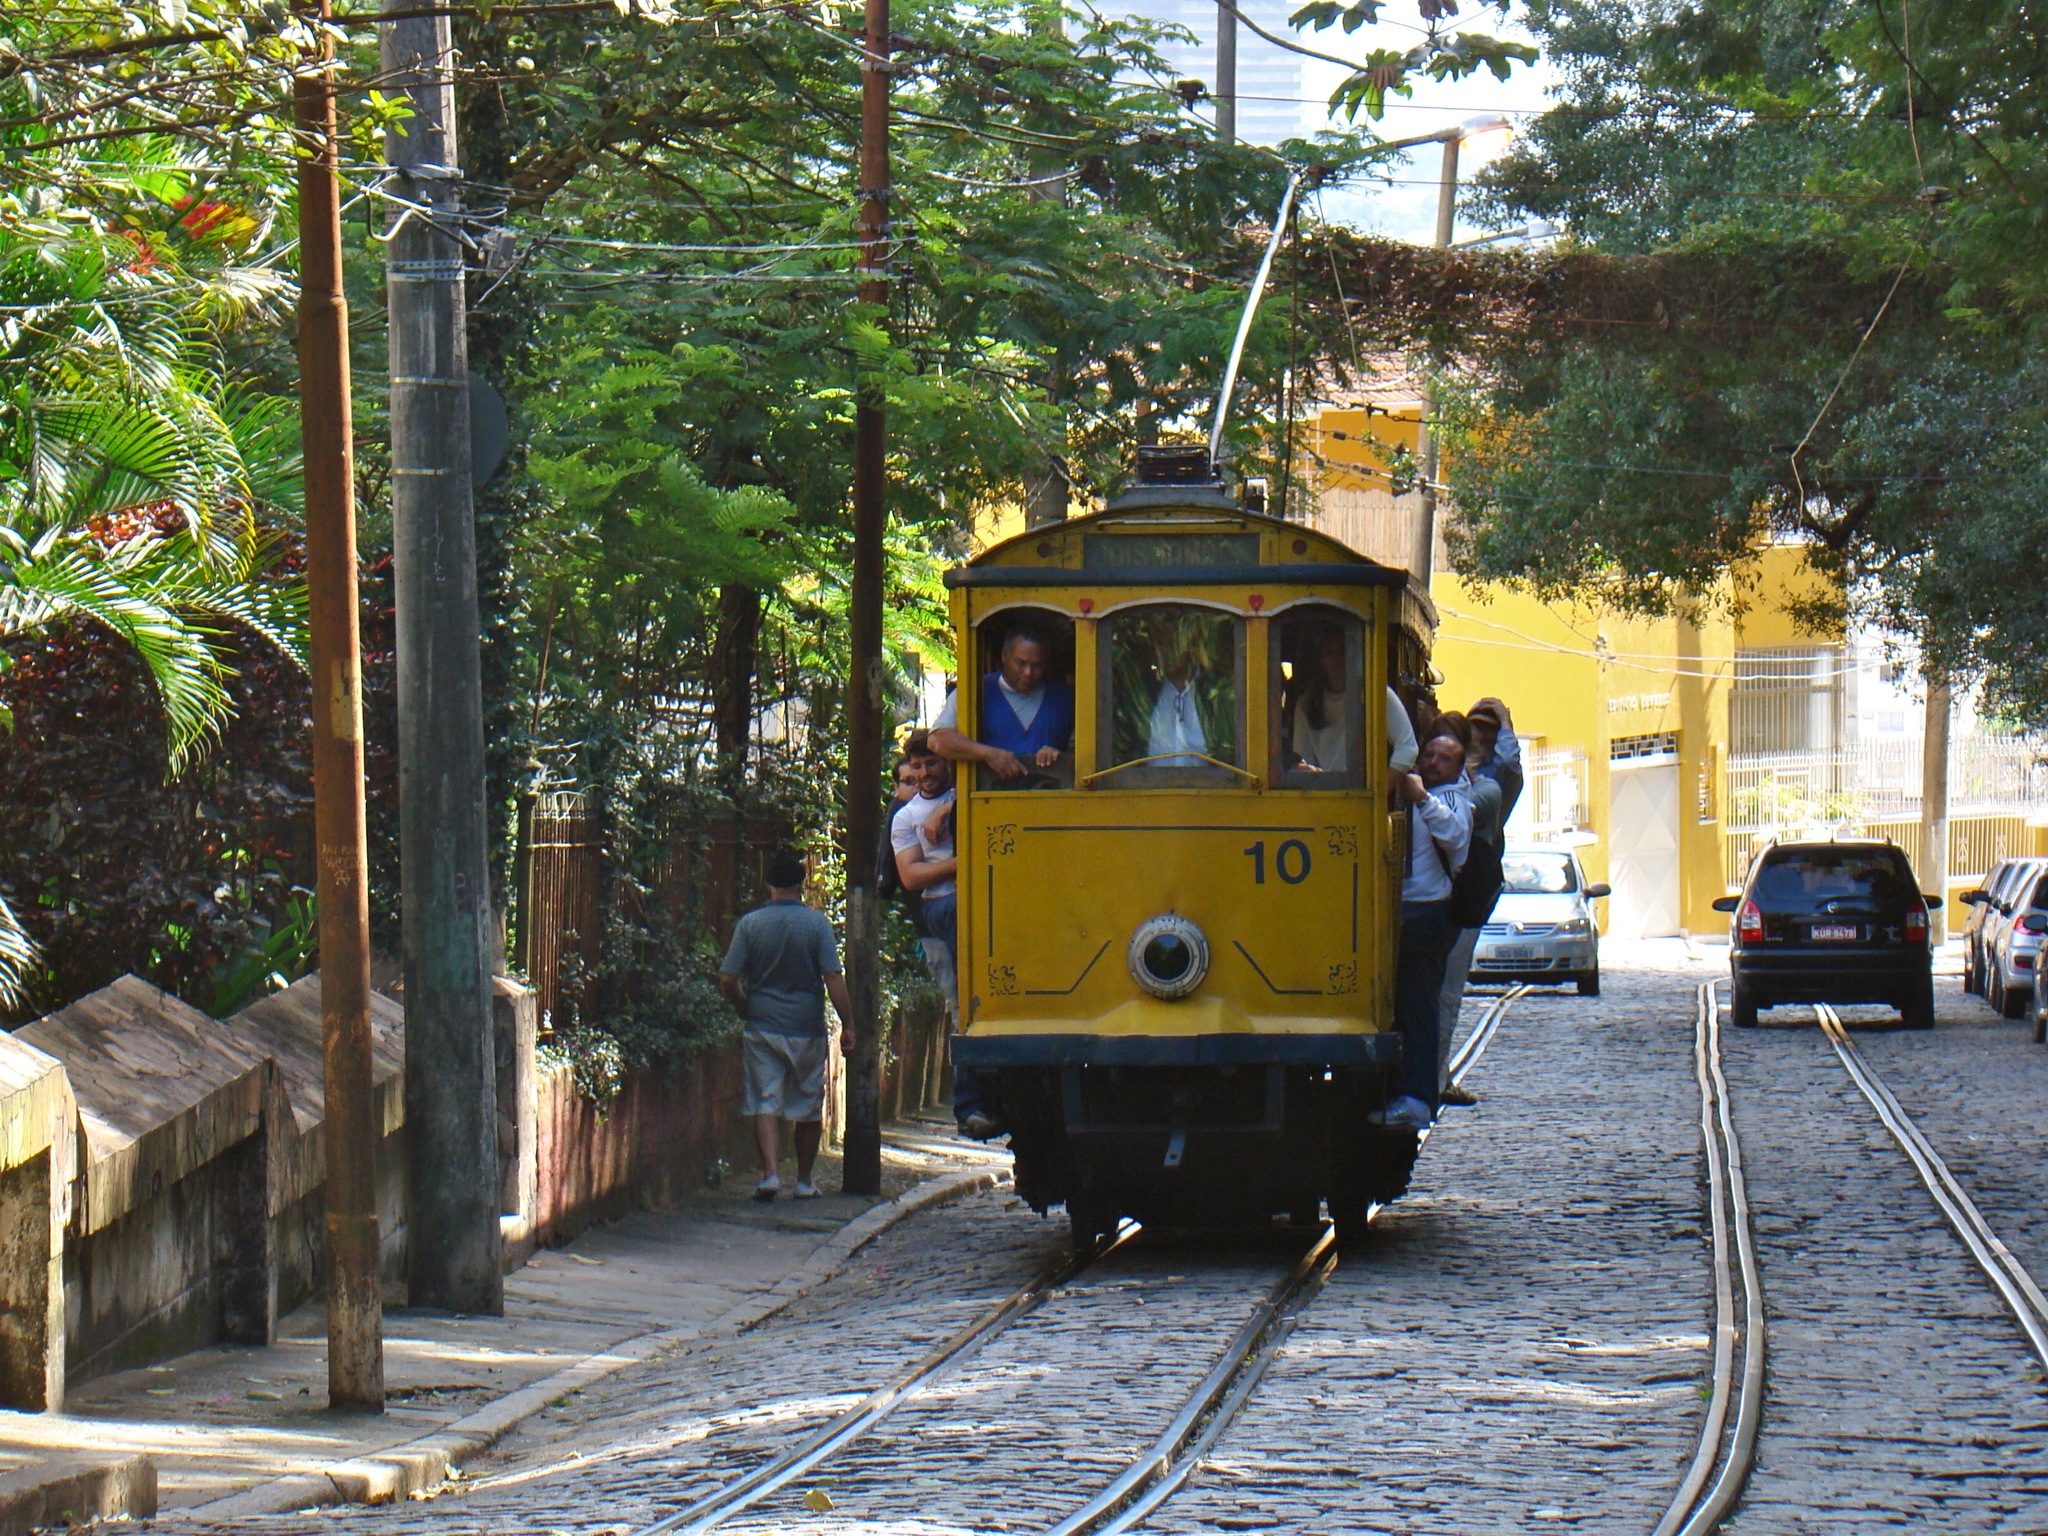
(1226, 72)
(1934, 801)
(1421, 562)
(1045, 496)
(355, 1291)
(451, 1118)
(863, 1164)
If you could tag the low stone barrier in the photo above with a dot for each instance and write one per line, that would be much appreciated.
(162, 1172)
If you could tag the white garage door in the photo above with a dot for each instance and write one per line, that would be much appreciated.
(1642, 831)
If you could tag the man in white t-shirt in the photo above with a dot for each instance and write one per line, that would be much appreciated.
(922, 836)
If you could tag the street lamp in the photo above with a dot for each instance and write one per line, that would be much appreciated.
(1423, 556)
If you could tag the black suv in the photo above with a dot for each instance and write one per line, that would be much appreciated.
(1836, 922)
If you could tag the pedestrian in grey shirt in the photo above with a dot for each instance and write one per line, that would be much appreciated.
(781, 965)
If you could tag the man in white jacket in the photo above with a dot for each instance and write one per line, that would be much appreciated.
(1439, 837)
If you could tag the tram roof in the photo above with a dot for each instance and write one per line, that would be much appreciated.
(1185, 529)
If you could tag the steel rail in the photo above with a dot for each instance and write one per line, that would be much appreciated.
(722, 1503)
(1216, 1401)
(2001, 1266)
(1690, 1514)
(1257, 1339)
(1175, 1455)
(1467, 1055)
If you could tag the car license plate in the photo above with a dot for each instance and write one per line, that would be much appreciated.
(1835, 931)
(1514, 952)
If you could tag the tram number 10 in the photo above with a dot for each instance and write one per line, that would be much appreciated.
(1290, 861)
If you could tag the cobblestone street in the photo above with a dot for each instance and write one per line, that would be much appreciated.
(1901, 1393)
(1522, 1346)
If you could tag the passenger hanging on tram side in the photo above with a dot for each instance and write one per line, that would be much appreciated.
(1027, 716)
(1439, 839)
(921, 833)
(1473, 892)
(1496, 752)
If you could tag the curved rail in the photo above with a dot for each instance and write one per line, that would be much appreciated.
(1689, 1513)
(2001, 1266)
(723, 1503)
(1172, 1458)
(1220, 1396)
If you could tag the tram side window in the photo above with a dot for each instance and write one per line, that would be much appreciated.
(1173, 681)
(1027, 698)
(1319, 662)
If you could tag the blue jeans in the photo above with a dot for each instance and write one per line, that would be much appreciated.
(1426, 936)
(942, 922)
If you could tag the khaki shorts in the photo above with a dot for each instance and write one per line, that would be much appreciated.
(785, 1074)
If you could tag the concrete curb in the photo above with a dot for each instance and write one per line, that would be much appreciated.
(71, 1489)
(417, 1465)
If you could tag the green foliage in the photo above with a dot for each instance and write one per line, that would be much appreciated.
(1789, 157)
(278, 952)
(1447, 50)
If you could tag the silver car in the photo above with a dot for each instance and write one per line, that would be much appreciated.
(1542, 928)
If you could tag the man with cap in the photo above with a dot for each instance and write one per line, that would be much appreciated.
(781, 965)
(1493, 776)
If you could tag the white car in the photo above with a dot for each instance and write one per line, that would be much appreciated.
(1542, 928)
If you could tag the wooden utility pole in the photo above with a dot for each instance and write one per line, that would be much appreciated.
(355, 1292)
(863, 1166)
(1934, 801)
(454, 1255)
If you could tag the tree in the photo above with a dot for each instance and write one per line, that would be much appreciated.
(1854, 355)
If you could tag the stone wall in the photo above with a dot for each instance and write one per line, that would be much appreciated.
(162, 1173)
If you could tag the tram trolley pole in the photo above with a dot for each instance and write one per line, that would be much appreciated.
(863, 1152)
(355, 1299)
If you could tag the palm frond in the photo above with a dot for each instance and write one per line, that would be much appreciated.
(17, 957)
(55, 579)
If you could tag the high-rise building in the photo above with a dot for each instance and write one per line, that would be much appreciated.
(1269, 79)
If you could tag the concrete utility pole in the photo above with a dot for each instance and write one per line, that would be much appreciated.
(863, 1165)
(355, 1290)
(1045, 496)
(451, 1118)
(1934, 802)
(1226, 72)
(1422, 561)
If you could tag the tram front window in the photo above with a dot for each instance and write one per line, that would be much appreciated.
(1026, 703)
(1319, 657)
(1171, 679)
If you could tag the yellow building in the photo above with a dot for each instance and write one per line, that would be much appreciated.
(1625, 721)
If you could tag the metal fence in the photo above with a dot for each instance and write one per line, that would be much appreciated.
(1556, 792)
(561, 862)
(1995, 784)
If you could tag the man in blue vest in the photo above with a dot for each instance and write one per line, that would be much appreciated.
(1027, 722)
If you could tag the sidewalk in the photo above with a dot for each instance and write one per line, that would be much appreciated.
(238, 1431)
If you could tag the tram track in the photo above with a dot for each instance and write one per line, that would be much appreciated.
(1727, 1445)
(2010, 1278)
(1734, 1419)
(1173, 1456)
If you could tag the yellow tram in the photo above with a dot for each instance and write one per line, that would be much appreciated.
(1177, 943)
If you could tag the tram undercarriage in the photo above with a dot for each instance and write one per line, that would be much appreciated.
(1203, 1145)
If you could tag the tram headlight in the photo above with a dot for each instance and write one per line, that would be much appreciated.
(1168, 956)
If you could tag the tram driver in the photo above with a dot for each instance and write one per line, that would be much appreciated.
(1027, 719)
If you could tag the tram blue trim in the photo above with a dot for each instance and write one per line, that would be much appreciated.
(988, 1051)
(1295, 573)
